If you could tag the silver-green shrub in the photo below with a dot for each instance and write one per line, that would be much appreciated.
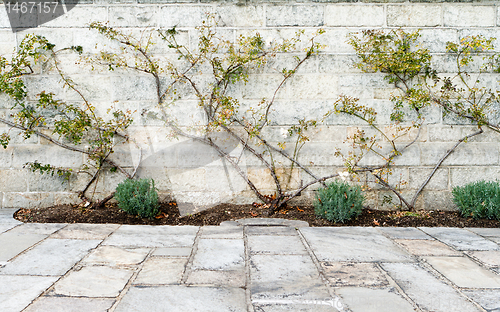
(339, 202)
(478, 200)
(138, 197)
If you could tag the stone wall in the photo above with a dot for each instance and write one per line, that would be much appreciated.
(193, 173)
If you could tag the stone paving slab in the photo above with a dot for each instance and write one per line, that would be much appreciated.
(286, 277)
(489, 299)
(463, 272)
(404, 233)
(489, 258)
(217, 278)
(297, 306)
(341, 274)
(161, 271)
(270, 230)
(271, 244)
(219, 254)
(360, 299)
(86, 231)
(93, 281)
(271, 222)
(231, 232)
(38, 228)
(14, 243)
(426, 290)
(116, 256)
(7, 226)
(16, 292)
(461, 239)
(353, 244)
(153, 236)
(50, 257)
(69, 304)
(422, 247)
(182, 299)
(173, 252)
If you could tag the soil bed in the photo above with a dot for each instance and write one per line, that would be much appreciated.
(169, 215)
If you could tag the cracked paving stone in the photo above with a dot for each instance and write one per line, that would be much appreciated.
(354, 274)
(161, 271)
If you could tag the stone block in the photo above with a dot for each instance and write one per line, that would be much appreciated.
(13, 180)
(80, 16)
(374, 300)
(133, 88)
(461, 176)
(172, 252)
(161, 271)
(354, 15)
(270, 230)
(46, 182)
(314, 87)
(464, 273)
(17, 292)
(436, 39)
(342, 274)
(38, 228)
(468, 154)
(438, 200)
(276, 64)
(45, 154)
(404, 233)
(93, 281)
(183, 298)
(439, 180)
(230, 232)
(427, 15)
(42, 260)
(469, 15)
(294, 15)
(242, 16)
(428, 292)
(68, 304)
(182, 15)
(131, 16)
(28, 200)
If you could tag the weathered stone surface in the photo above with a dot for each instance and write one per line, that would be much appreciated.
(93, 281)
(270, 230)
(272, 222)
(486, 298)
(353, 244)
(217, 278)
(219, 254)
(296, 15)
(461, 239)
(469, 15)
(486, 232)
(68, 304)
(232, 232)
(354, 15)
(297, 305)
(360, 299)
(404, 233)
(276, 245)
(463, 272)
(38, 228)
(86, 231)
(341, 274)
(429, 293)
(298, 279)
(490, 258)
(50, 257)
(153, 236)
(16, 292)
(413, 15)
(7, 226)
(172, 252)
(115, 256)
(427, 248)
(182, 298)
(14, 243)
(161, 271)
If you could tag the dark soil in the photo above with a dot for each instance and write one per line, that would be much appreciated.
(169, 215)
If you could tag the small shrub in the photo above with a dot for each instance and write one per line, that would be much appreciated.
(339, 202)
(478, 200)
(138, 197)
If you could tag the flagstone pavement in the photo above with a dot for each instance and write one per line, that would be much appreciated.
(248, 265)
